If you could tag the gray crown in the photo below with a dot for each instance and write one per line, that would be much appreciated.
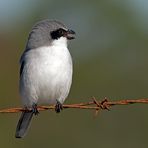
(41, 33)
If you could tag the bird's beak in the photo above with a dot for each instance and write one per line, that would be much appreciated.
(70, 34)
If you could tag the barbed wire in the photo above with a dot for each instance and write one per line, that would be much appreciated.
(105, 104)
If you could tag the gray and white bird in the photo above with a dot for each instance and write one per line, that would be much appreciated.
(46, 70)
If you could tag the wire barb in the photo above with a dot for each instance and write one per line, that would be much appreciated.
(105, 104)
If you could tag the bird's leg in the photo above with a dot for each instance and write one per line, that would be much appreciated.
(58, 106)
(35, 109)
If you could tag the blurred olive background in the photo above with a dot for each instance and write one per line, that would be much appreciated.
(110, 60)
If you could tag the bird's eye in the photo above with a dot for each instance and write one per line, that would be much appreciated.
(58, 33)
(61, 32)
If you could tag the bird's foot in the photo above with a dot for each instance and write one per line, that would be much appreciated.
(58, 106)
(35, 109)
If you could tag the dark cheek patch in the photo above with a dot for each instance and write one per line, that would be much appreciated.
(58, 33)
(55, 35)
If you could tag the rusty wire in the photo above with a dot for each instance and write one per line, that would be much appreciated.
(93, 105)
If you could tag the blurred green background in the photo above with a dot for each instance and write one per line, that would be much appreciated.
(110, 59)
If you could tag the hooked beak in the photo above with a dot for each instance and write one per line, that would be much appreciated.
(70, 34)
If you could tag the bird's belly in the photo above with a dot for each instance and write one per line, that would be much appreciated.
(54, 83)
(49, 79)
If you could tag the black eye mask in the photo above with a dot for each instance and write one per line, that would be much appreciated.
(61, 32)
(58, 33)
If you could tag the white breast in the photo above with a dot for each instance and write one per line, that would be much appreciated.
(47, 74)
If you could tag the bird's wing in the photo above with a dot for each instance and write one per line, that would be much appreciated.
(22, 67)
(22, 62)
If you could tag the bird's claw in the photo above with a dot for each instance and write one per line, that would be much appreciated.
(35, 109)
(58, 107)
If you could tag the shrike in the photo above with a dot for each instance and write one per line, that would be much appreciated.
(46, 70)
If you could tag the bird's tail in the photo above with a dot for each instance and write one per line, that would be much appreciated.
(23, 124)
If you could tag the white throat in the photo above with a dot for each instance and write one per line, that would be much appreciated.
(62, 42)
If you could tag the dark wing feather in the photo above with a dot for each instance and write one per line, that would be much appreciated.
(22, 67)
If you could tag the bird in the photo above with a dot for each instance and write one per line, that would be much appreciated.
(46, 70)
